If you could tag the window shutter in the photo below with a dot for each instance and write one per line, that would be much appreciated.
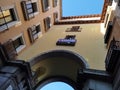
(10, 50)
(43, 5)
(3, 56)
(30, 35)
(47, 23)
(24, 9)
(28, 9)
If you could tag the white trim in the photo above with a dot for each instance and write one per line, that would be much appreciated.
(57, 2)
(21, 47)
(36, 13)
(48, 7)
(7, 7)
(10, 24)
(50, 24)
(39, 33)
(50, 21)
(34, 0)
(49, 16)
(17, 37)
(37, 24)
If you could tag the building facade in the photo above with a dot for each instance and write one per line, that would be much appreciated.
(22, 22)
(111, 23)
(83, 51)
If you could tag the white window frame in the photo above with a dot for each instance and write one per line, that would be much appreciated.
(50, 21)
(10, 24)
(21, 47)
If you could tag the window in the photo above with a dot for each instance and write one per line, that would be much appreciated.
(55, 17)
(29, 9)
(45, 5)
(55, 2)
(8, 18)
(19, 43)
(47, 23)
(106, 20)
(34, 32)
(108, 32)
(118, 2)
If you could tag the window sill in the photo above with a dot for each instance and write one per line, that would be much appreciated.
(39, 33)
(20, 48)
(36, 13)
(11, 24)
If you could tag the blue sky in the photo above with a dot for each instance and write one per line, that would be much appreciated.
(76, 8)
(81, 7)
(57, 86)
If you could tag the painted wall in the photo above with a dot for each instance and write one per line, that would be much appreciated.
(90, 44)
(22, 25)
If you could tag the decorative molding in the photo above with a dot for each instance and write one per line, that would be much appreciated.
(78, 22)
(85, 16)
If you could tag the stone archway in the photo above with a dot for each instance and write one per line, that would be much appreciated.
(55, 63)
